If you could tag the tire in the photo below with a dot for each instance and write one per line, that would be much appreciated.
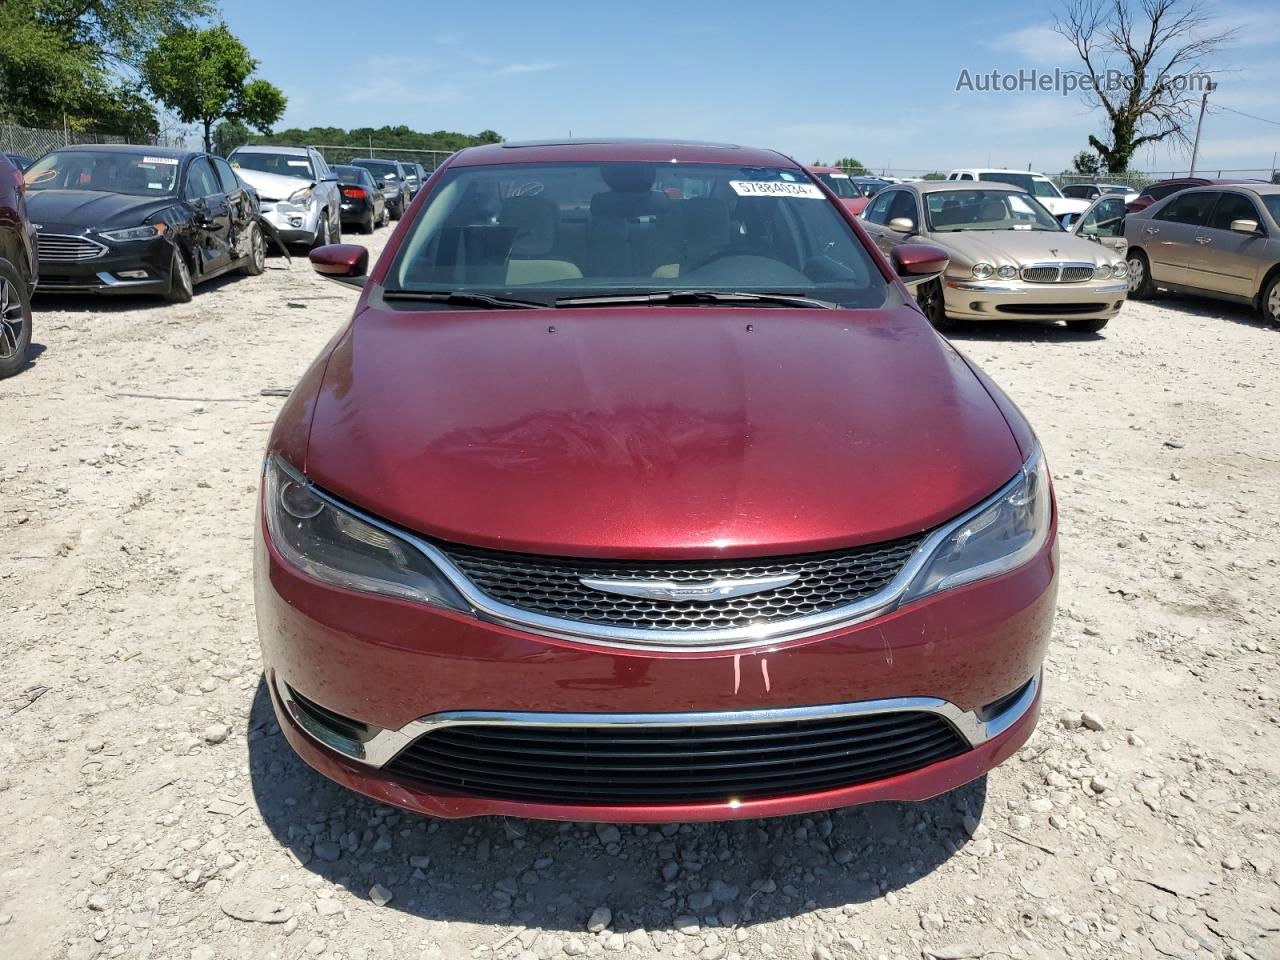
(369, 225)
(181, 289)
(323, 232)
(1140, 285)
(15, 320)
(1087, 326)
(335, 228)
(397, 212)
(1269, 301)
(256, 264)
(386, 216)
(934, 305)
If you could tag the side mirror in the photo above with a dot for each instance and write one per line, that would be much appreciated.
(917, 263)
(902, 225)
(1245, 226)
(343, 262)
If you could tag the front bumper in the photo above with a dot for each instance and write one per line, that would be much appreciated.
(137, 267)
(295, 224)
(1015, 300)
(399, 667)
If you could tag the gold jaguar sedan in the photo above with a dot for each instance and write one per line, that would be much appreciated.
(1010, 259)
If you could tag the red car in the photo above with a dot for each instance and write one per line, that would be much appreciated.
(1163, 188)
(18, 269)
(843, 186)
(611, 506)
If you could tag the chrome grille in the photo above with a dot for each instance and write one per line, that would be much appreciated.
(551, 585)
(62, 248)
(1057, 272)
(695, 763)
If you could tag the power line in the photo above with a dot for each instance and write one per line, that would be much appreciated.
(1218, 106)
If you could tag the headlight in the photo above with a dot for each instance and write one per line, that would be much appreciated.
(1003, 535)
(300, 197)
(983, 271)
(335, 546)
(1102, 271)
(149, 232)
(1007, 272)
(1119, 269)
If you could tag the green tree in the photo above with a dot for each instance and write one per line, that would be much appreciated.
(230, 134)
(65, 61)
(850, 165)
(1089, 164)
(935, 175)
(203, 75)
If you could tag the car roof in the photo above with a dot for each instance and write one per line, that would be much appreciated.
(268, 148)
(619, 151)
(357, 161)
(939, 186)
(1260, 187)
(981, 170)
(820, 168)
(174, 153)
(1202, 182)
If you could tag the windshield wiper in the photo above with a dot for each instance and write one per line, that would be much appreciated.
(676, 297)
(458, 299)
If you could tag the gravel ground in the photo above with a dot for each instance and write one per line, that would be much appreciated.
(150, 808)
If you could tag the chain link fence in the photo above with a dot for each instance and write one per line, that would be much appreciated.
(35, 142)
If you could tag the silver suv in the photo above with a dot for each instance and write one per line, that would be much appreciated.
(299, 192)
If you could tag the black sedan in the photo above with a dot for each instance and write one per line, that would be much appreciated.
(363, 205)
(137, 219)
(392, 178)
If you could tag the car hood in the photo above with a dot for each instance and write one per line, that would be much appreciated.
(656, 432)
(273, 186)
(61, 211)
(1018, 247)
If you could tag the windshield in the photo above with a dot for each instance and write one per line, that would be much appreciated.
(1111, 188)
(379, 168)
(952, 210)
(544, 231)
(351, 175)
(284, 164)
(135, 174)
(841, 185)
(1036, 186)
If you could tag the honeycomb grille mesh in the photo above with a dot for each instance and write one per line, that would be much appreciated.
(550, 585)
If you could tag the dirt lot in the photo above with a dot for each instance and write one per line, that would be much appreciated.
(150, 808)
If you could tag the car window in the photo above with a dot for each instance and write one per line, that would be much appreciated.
(201, 181)
(1105, 219)
(550, 230)
(284, 164)
(1272, 200)
(1232, 206)
(226, 176)
(109, 171)
(1191, 207)
(878, 210)
(1160, 192)
(380, 169)
(978, 209)
(903, 205)
(840, 185)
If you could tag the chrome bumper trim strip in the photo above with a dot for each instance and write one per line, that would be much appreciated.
(383, 746)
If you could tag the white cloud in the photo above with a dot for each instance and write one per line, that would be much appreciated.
(1039, 44)
(386, 89)
(535, 67)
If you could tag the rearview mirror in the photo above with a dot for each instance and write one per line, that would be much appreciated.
(917, 263)
(902, 225)
(343, 262)
(1245, 226)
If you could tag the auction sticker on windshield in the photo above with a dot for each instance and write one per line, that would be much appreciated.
(775, 188)
(168, 161)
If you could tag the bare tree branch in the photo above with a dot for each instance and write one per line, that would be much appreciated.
(1155, 49)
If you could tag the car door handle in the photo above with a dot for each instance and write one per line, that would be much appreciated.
(1204, 239)
(1151, 230)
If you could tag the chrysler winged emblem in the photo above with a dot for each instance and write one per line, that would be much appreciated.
(675, 590)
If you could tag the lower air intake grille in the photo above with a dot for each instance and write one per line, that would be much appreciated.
(618, 766)
(551, 585)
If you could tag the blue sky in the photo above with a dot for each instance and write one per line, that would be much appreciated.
(819, 81)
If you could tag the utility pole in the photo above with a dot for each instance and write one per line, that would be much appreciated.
(1204, 102)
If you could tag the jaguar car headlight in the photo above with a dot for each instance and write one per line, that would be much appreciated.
(1002, 536)
(148, 232)
(1119, 269)
(300, 197)
(1007, 272)
(333, 545)
(983, 271)
(1102, 271)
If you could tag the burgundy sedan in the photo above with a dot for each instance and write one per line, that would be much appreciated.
(638, 488)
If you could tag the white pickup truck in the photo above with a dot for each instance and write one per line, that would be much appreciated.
(1036, 184)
